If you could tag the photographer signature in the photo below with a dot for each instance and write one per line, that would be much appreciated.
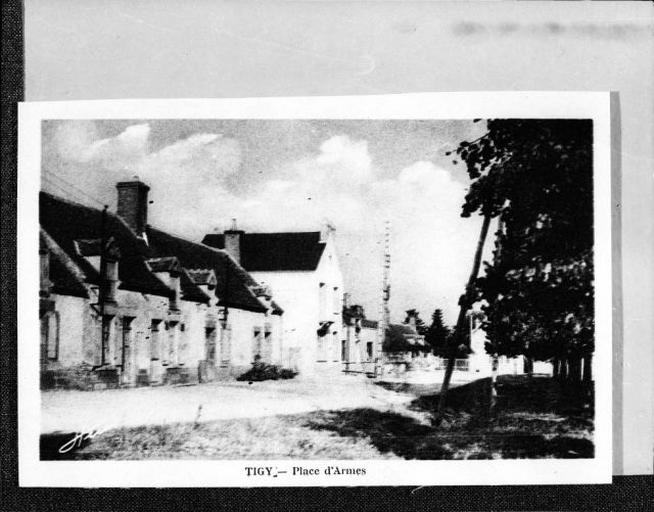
(79, 438)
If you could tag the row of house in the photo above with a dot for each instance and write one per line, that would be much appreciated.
(125, 304)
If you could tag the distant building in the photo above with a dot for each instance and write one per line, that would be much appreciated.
(123, 303)
(479, 361)
(303, 271)
(403, 341)
(360, 348)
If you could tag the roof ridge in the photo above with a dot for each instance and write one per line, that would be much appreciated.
(178, 237)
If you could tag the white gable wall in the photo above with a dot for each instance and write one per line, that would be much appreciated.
(298, 294)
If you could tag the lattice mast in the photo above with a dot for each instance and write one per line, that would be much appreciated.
(385, 313)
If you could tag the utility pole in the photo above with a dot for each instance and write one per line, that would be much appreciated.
(385, 316)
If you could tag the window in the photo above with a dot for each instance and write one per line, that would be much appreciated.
(369, 350)
(127, 351)
(51, 331)
(210, 344)
(175, 287)
(155, 340)
(322, 348)
(344, 350)
(256, 344)
(225, 344)
(170, 356)
(126, 343)
(105, 337)
(267, 345)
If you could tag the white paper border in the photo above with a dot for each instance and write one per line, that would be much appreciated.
(459, 105)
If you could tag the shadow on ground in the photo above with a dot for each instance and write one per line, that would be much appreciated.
(533, 418)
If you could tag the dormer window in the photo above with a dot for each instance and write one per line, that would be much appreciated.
(103, 255)
(111, 280)
(169, 271)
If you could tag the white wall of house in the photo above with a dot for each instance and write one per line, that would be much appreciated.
(308, 298)
(369, 344)
(193, 338)
(145, 338)
(480, 362)
(360, 348)
(67, 331)
(250, 334)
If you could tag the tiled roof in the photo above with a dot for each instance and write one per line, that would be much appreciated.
(233, 282)
(67, 222)
(261, 252)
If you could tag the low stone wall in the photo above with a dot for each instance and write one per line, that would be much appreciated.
(85, 378)
(80, 377)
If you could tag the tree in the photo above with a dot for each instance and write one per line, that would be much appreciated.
(535, 176)
(437, 334)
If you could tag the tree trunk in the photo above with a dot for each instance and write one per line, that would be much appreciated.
(529, 366)
(588, 368)
(575, 370)
(495, 365)
(465, 305)
(564, 369)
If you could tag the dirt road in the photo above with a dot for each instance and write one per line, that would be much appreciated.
(66, 411)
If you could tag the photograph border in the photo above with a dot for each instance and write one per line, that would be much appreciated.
(572, 105)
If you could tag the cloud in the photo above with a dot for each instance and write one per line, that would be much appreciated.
(431, 243)
(193, 188)
(345, 158)
(201, 159)
(117, 152)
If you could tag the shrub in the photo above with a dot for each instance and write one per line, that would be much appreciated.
(264, 371)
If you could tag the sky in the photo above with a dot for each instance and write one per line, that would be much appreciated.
(293, 175)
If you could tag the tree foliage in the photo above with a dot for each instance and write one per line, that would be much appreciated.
(535, 177)
(437, 335)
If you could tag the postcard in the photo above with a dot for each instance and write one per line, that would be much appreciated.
(409, 289)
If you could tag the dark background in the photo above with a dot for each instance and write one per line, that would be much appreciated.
(626, 492)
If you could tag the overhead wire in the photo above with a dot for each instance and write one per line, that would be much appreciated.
(70, 188)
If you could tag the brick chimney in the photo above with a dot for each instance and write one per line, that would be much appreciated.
(233, 242)
(133, 204)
